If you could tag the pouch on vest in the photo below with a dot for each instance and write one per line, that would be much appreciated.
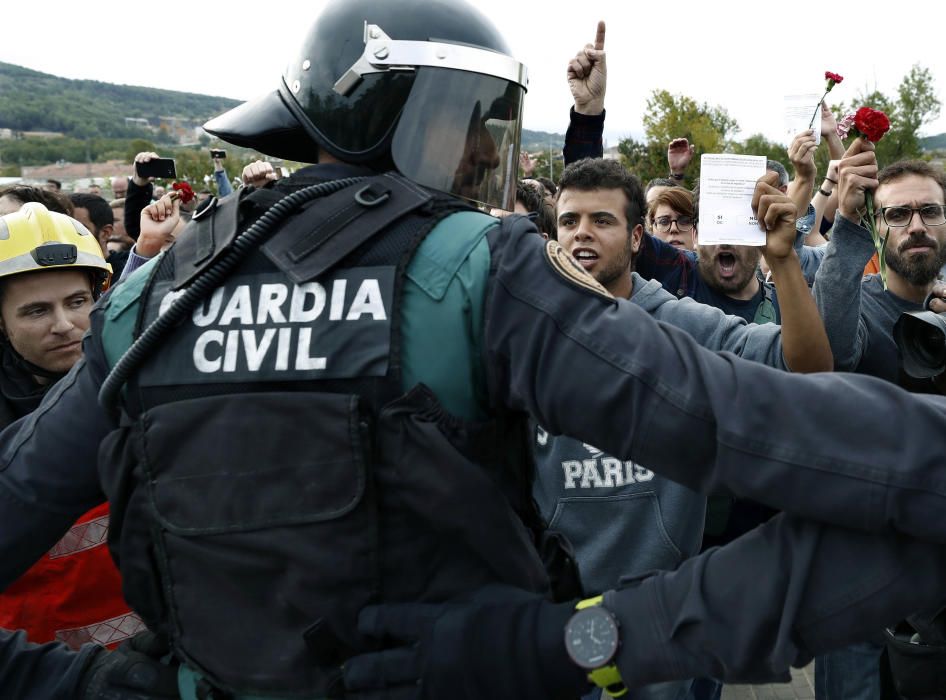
(422, 468)
(235, 510)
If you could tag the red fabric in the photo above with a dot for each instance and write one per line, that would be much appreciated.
(71, 590)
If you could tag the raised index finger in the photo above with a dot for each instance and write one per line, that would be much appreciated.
(599, 37)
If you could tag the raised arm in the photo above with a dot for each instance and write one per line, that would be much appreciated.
(801, 152)
(804, 341)
(837, 286)
(679, 154)
(587, 75)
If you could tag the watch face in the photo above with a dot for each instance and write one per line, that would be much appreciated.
(591, 638)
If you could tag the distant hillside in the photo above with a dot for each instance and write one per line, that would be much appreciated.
(539, 141)
(934, 143)
(34, 101)
(93, 117)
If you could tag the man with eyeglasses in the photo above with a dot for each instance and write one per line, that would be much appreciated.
(859, 316)
(859, 313)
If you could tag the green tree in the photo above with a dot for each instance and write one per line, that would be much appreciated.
(137, 146)
(667, 116)
(917, 106)
(642, 159)
(542, 165)
(758, 145)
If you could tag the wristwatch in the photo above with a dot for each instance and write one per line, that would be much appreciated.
(677, 176)
(592, 638)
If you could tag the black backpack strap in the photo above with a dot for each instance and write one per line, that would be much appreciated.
(307, 246)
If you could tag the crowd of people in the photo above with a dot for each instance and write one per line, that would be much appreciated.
(808, 301)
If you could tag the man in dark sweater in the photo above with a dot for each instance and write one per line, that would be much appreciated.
(859, 313)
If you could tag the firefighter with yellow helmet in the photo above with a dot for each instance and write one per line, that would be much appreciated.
(51, 272)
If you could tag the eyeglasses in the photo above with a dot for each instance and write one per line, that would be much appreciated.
(930, 214)
(663, 223)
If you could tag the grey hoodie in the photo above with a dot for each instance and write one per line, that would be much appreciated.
(621, 518)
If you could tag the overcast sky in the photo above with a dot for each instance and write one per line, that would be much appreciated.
(743, 55)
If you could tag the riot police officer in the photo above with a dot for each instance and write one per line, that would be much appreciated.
(313, 407)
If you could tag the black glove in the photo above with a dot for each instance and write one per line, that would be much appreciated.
(502, 643)
(134, 671)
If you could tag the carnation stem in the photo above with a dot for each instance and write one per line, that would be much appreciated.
(811, 124)
(880, 245)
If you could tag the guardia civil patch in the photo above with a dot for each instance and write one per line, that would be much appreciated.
(262, 327)
(566, 266)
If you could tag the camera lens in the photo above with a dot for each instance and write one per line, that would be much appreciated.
(921, 339)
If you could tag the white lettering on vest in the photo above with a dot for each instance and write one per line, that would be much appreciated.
(205, 318)
(255, 353)
(290, 346)
(367, 301)
(338, 300)
(271, 298)
(303, 361)
(231, 354)
(201, 361)
(297, 311)
(239, 307)
(169, 299)
(282, 349)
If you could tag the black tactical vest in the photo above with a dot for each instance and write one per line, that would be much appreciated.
(271, 477)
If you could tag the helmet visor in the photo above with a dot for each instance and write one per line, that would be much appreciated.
(459, 133)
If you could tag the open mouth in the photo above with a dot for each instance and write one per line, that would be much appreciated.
(727, 264)
(586, 257)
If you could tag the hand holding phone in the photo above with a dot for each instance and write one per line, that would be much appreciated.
(157, 168)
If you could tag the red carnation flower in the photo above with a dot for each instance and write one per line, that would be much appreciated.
(872, 123)
(833, 79)
(185, 191)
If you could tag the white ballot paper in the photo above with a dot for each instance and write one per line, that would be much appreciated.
(726, 186)
(798, 112)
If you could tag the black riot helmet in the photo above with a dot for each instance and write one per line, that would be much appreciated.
(427, 86)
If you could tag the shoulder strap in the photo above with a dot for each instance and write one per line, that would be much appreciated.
(308, 245)
(209, 233)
